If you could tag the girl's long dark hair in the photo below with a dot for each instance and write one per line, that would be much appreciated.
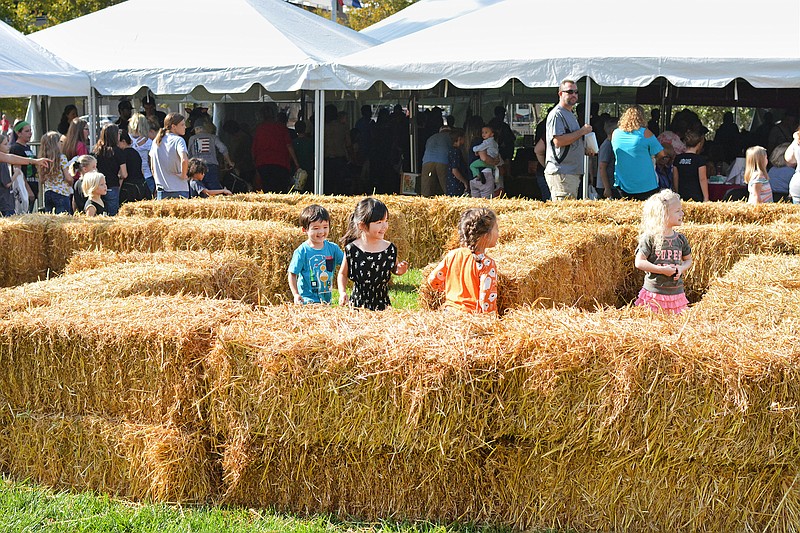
(367, 211)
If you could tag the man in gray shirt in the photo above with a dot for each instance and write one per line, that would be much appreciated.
(565, 147)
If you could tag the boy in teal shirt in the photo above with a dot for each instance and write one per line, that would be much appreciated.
(311, 272)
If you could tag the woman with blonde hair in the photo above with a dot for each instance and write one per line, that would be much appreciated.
(139, 130)
(635, 148)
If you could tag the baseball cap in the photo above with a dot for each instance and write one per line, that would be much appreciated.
(149, 99)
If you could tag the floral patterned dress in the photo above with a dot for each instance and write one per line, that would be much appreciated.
(370, 273)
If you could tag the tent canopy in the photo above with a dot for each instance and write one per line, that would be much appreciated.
(703, 44)
(27, 69)
(423, 14)
(271, 42)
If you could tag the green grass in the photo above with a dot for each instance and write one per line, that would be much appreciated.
(26, 508)
(403, 292)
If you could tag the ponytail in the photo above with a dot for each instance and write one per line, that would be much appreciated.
(160, 135)
(352, 233)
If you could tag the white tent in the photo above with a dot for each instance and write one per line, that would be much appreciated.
(26, 69)
(424, 14)
(615, 43)
(226, 46)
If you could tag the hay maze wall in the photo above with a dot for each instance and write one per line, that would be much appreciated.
(146, 368)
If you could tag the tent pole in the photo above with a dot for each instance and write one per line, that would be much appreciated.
(334, 7)
(588, 118)
(92, 116)
(412, 125)
(319, 138)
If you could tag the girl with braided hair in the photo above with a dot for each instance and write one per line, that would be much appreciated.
(466, 275)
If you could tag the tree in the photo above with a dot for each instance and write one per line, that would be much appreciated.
(28, 16)
(374, 11)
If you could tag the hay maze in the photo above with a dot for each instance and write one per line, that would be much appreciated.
(151, 357)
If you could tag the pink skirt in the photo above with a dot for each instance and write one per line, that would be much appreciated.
(662, 303)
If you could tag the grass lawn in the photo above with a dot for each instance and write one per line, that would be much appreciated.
(403, 292)
(26, 508)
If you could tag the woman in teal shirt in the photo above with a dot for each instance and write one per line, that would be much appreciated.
(634, 149)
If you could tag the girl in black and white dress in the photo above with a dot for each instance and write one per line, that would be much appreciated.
(369, 260)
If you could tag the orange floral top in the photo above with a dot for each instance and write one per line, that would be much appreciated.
(469, 281)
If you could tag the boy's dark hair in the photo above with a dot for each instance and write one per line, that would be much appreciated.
(197, 166)
(125, 137)
(313, 213)
(300, 127)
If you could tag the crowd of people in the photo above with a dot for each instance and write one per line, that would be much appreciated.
(147, 153)
(635, 159)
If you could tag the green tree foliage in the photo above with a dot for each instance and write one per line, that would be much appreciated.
(23, 14)
(373, 11)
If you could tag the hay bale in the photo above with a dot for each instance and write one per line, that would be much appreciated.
(516, 487)
(136, 358)
(219, 275)
(122, 459)
(620, 418)
(269, 243)
(717, 248)
(760, 289)
(23, 256)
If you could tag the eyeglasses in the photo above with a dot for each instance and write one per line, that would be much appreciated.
(571, 91)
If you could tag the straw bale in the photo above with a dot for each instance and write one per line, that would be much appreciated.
(737, 212)
(139, 358)
(717, 247)
(213, 276)
(519, 487)
(23, 256)
(123, 459)
(759, 290)
(615, 419)
(269, 243)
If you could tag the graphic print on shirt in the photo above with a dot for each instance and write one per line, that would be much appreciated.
(321, 269)
(202, 146)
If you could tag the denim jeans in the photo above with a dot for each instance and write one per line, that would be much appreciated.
(111, 201)
(151, 184)
(56, 203)
(162, 195)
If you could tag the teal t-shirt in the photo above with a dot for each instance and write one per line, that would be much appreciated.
(315, 270)
(634, 170)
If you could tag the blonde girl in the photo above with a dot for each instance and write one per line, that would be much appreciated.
(79, 167)
(369, 260)
(94, 187)
(56, 177)
(466, 275)
(663, 254)
(756, 177)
